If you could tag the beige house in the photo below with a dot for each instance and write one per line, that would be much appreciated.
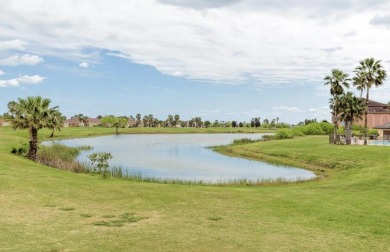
(378, 114)
(74, 122)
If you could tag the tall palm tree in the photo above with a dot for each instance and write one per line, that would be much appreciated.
(350, 108)
(337, 81)
(33, 114)
(359, 82)
(369, 73)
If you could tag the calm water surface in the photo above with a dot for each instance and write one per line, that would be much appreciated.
(184, 156)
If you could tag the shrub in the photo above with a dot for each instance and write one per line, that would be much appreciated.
(284, 134)
(313, 129)
(100, 162)
(298, 131)
(327, 127)
(341, 130)
(21, 151)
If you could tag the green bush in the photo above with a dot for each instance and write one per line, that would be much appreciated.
(313, 129)
(341, 130)
(21, 151)
(298, 131)
(373, 132)
(327, 127)
(284, 134)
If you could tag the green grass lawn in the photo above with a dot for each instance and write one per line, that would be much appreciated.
(45, 209)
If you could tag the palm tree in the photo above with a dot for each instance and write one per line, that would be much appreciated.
(177, 118)
(350, 108)
(138, 121)
(369, 73)
(55, 121)
(337, 82)
(358, 82)
(33, 114)
(170, 120)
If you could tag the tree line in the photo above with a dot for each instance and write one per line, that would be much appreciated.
(175, 121)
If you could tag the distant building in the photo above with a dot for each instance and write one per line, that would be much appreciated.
(131, 123)
(74, 122)
(92, 122)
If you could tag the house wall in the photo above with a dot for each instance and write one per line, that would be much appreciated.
(375, 120)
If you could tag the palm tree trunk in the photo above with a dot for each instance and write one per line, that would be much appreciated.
(365, 118)
(52, 134)
(32, 152)
(335, 130)
(348, 132)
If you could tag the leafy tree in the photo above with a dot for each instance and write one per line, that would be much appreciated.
(107, 121)
(32, 113)
(119, 122)
(369, 73)
(113, 121)
(337, 81)
(207, 124)
(351, 108)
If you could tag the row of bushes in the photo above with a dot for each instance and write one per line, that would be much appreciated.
(322, 128)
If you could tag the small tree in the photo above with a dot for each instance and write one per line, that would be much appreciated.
(100, 162)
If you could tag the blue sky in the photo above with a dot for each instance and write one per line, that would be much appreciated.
(224, 60)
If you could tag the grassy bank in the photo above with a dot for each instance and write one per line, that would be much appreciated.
(45, 209)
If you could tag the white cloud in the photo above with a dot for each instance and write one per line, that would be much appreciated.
(1, 73)
(25, 79)
(25, 59)
(267, 42)
(15, 44)
(84, 65)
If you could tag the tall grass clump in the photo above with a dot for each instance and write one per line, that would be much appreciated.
(244, 141)
(62, 157)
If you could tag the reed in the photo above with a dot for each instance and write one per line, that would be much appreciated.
(62, 157)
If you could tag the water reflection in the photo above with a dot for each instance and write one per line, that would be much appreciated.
(184, 156)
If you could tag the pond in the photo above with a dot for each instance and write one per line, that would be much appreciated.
(184, 157)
